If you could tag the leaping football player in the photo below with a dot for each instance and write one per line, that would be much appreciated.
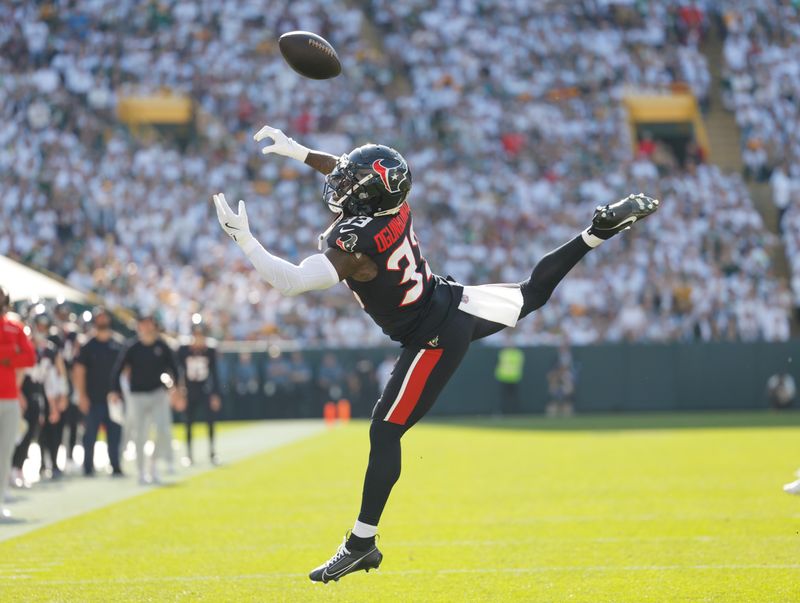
(371, 246)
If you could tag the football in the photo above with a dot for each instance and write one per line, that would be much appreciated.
(310, 55)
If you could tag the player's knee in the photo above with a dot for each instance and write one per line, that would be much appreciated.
(383, 434)
(533, 296)
(384, 451)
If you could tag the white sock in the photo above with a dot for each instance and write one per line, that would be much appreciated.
(364, 530)
(590, 239)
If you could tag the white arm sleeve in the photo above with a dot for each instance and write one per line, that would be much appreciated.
(314, 272)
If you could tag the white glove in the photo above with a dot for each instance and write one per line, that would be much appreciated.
(315, 272)
(282, 144)
(235, 224)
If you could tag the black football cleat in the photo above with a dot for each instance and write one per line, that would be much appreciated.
(608, 220)
(346, 562)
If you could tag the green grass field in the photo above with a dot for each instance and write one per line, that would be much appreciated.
(642, 508)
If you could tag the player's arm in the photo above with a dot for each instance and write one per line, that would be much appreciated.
(315, 272)
(283, 145)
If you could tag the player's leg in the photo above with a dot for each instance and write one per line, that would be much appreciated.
(31, 417)
(114, 436)
(90, 427)
(138, 416)
(212, 450)
(73, 416)
(46, 443)
(537, 289)
(56, 436)
(608, 221)
(550, 271)
(9, 424)
(191, 405)
(163, 420)
(418, 378)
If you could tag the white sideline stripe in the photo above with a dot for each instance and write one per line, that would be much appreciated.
(405, 383)
(51, 502)
(446, 571)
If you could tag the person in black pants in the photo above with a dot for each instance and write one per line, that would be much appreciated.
(42, 388)
(91, 376)
(65, 337)
(152, 371)
(198, 364)
(51, 372)
(33, 394)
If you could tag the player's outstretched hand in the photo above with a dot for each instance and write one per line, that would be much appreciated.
(235, 224)
(281, 144)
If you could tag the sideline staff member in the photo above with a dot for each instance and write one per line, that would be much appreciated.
(16, 352)
(91, 376)
(147, 359)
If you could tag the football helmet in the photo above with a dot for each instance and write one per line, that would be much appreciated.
(372, 180)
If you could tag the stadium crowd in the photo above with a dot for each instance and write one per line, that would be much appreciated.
(762, 87)
(510, 152)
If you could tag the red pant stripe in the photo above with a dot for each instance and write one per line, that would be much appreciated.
(412, 387)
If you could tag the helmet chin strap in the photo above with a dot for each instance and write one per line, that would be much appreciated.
(389, 212)
(324, 235)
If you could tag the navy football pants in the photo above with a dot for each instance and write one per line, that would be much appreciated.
(421, 373)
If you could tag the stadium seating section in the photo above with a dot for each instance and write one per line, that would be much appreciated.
(511, 120)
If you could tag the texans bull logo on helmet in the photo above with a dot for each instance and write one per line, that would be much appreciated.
(391, 176)
(348, 244)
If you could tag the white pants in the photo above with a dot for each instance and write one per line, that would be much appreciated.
(145, 408)
(9, 428)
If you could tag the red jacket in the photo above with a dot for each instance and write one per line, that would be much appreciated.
(16, 352)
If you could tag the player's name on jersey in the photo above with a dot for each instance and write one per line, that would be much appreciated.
(389, 234)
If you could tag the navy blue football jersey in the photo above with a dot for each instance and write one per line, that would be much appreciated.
(399, 296)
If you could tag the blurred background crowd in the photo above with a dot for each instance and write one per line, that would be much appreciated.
(509, 113)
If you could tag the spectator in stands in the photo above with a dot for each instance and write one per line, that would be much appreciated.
(537, 131)
(782, 186)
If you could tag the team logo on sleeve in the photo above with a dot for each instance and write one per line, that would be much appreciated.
(348, 244)
(392, 177)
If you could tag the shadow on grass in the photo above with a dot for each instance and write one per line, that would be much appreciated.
(627, 421)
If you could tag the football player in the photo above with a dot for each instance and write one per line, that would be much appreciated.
(200, 386)
(371, 246)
